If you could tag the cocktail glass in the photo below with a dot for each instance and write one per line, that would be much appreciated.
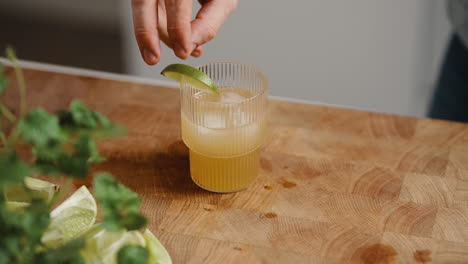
(225, 131)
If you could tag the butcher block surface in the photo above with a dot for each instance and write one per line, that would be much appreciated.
(336, 185)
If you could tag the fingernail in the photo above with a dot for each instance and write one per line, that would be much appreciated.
(195, 53)
(179, 51)
(149, 57)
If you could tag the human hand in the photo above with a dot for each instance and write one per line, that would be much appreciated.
(170, 21)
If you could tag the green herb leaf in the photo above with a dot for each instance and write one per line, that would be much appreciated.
(85, 147)
(102, 120)
(12, 169)
(82, 115)
(52, 158)
(47, 167)
(3, 80)
(3, 84)
(66, 254)
(133, 221)
(48, 152)
(76, 166)
(81, 119)
(132, 254)
(22, 231)
(4, 259)
(119, 204)
(39, 127)
(130, 221)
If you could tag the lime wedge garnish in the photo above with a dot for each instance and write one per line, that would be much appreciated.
(72, 217)
(157, 253)
(102, 246)
(31, 189)
(191, 75)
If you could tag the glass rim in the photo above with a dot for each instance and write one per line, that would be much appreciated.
(261, 93)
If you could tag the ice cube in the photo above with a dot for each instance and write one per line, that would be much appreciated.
(213, 120)
(231, 97)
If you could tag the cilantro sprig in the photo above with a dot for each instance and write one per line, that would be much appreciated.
(133, 254)
(120, 205)
(62, 145)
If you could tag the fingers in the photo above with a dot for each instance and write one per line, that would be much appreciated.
(197, 52)
(164, 35)
(144, 24)
(151, 25)
(162, 24)
(179, 13)
(210, 18)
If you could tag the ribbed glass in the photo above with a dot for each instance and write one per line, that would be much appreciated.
(224, 132)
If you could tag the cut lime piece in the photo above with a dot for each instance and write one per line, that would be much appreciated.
(90, 251)
(109, 254)
(32, 189)
(72, 217)
(103, 246)
(157, 253)
(191, 75)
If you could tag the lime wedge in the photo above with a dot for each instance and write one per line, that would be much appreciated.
(103, 246)
(157, 253)
(72, 217)
(191, 75)
(32, 188)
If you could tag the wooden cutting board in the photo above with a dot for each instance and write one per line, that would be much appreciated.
(336, 185)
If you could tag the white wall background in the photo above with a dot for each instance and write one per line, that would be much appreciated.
(371, 54)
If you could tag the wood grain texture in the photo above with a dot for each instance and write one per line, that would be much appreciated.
(336, 185)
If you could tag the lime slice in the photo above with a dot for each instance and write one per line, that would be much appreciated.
(32, 188)
(72, 217)
(103, 246)
(157, 253)
(191, 75)
(90, 251)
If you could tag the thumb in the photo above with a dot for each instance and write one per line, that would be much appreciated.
(210, 18)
